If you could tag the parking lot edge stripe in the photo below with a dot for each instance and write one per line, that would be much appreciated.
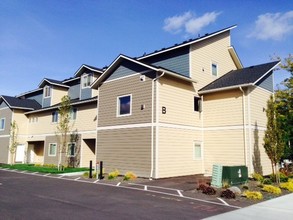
(145, 187)
(180, 194)
(96, 181)
(223, 201)
(118, 184)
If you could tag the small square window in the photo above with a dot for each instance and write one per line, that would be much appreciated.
(197, 151)
(47, 91)
(124, 105)
(71, 150)
(2, 123)
(214, 69)
(52, 149)
(55, 117)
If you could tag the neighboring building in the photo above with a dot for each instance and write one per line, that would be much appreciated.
(177, 111)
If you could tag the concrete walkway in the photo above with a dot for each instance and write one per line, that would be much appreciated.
(279, 208)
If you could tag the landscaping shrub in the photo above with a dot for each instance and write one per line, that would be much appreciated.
(283, 177)
(245, 187)
(129, 176)
(113, 175)
(272, 189)
(257, 177)
(288, 186)
(86, 174)
(225, 184)
(208, 190)
(253, 195)
(228, 194)
(267, 181)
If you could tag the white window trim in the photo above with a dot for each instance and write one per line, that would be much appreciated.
(2, 129)
(52, 155)
(87, 75)
(201, 150)
(118, 106)
(54, 122)
(214, 63)
(50, 91)
(74, 149)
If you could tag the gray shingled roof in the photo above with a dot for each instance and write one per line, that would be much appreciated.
(244, 77)
(14, 102)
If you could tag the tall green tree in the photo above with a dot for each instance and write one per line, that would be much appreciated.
(284, 107)
(273, 142)
(63, 128)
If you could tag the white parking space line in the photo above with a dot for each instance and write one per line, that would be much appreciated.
(223, 201)
(118, 184)
(180, 194)
(77, 178)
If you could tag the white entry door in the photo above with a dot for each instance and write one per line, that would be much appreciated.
(19, 157)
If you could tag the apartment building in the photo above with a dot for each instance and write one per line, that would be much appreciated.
(174, 112)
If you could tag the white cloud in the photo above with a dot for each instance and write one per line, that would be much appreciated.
(189, 22)
(273, 26)
(194, 25)
(176, 23)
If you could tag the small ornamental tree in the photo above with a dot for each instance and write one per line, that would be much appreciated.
(13, 141)
(63, 128)
(273, 142)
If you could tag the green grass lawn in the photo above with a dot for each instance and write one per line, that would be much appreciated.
(41, 169)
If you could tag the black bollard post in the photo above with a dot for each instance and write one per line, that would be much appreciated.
(91, 170)
(101, 170)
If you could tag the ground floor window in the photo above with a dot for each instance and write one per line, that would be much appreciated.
(197, 151)
(52, 149)
(71, 150)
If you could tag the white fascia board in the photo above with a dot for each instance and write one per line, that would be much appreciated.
(188, 43)
(177, 76)
(224, 88)
(51, 83)
(266, 73)
(85, 66)
(70, 80)
(235, 57)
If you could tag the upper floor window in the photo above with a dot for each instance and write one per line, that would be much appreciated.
(87, 80)
(55, 116)
(214, 69)
(73, 112)
(47, 91)
(33, 119)
(197, 104)
(124, 105)
(2, 123)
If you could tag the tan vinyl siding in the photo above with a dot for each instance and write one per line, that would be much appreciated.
(178, 99)
(258, 99)
(21, 121)
(204, 53)
(4, 149)
(141, 95)
(88, 152)
(7, 114)
(176, 152)
(85, 121)
(57, 94)
(126, 150)
(224, 147)
(223, 109)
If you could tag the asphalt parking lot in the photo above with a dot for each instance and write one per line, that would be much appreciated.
(44, 196)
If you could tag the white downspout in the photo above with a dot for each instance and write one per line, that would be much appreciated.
(250, 132)
(202, 135)
(152, 126)
(244, 125)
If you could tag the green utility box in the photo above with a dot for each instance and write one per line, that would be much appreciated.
(235, 175)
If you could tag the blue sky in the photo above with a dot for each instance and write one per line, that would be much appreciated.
(53, 38)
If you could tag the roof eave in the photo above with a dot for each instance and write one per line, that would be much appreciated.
(264, 75)
(177, 75)
(188, 43)
(235, 57)
(77, 73)
(224, 88)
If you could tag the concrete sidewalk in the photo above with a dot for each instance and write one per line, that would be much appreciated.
(278, 208)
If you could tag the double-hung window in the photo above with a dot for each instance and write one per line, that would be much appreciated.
(73, 112)
(55, 116)
(87, 80)
(124, 105)
(52, 149)
(2, 123)
(47, 91)
(71, 149)
(197, 104)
